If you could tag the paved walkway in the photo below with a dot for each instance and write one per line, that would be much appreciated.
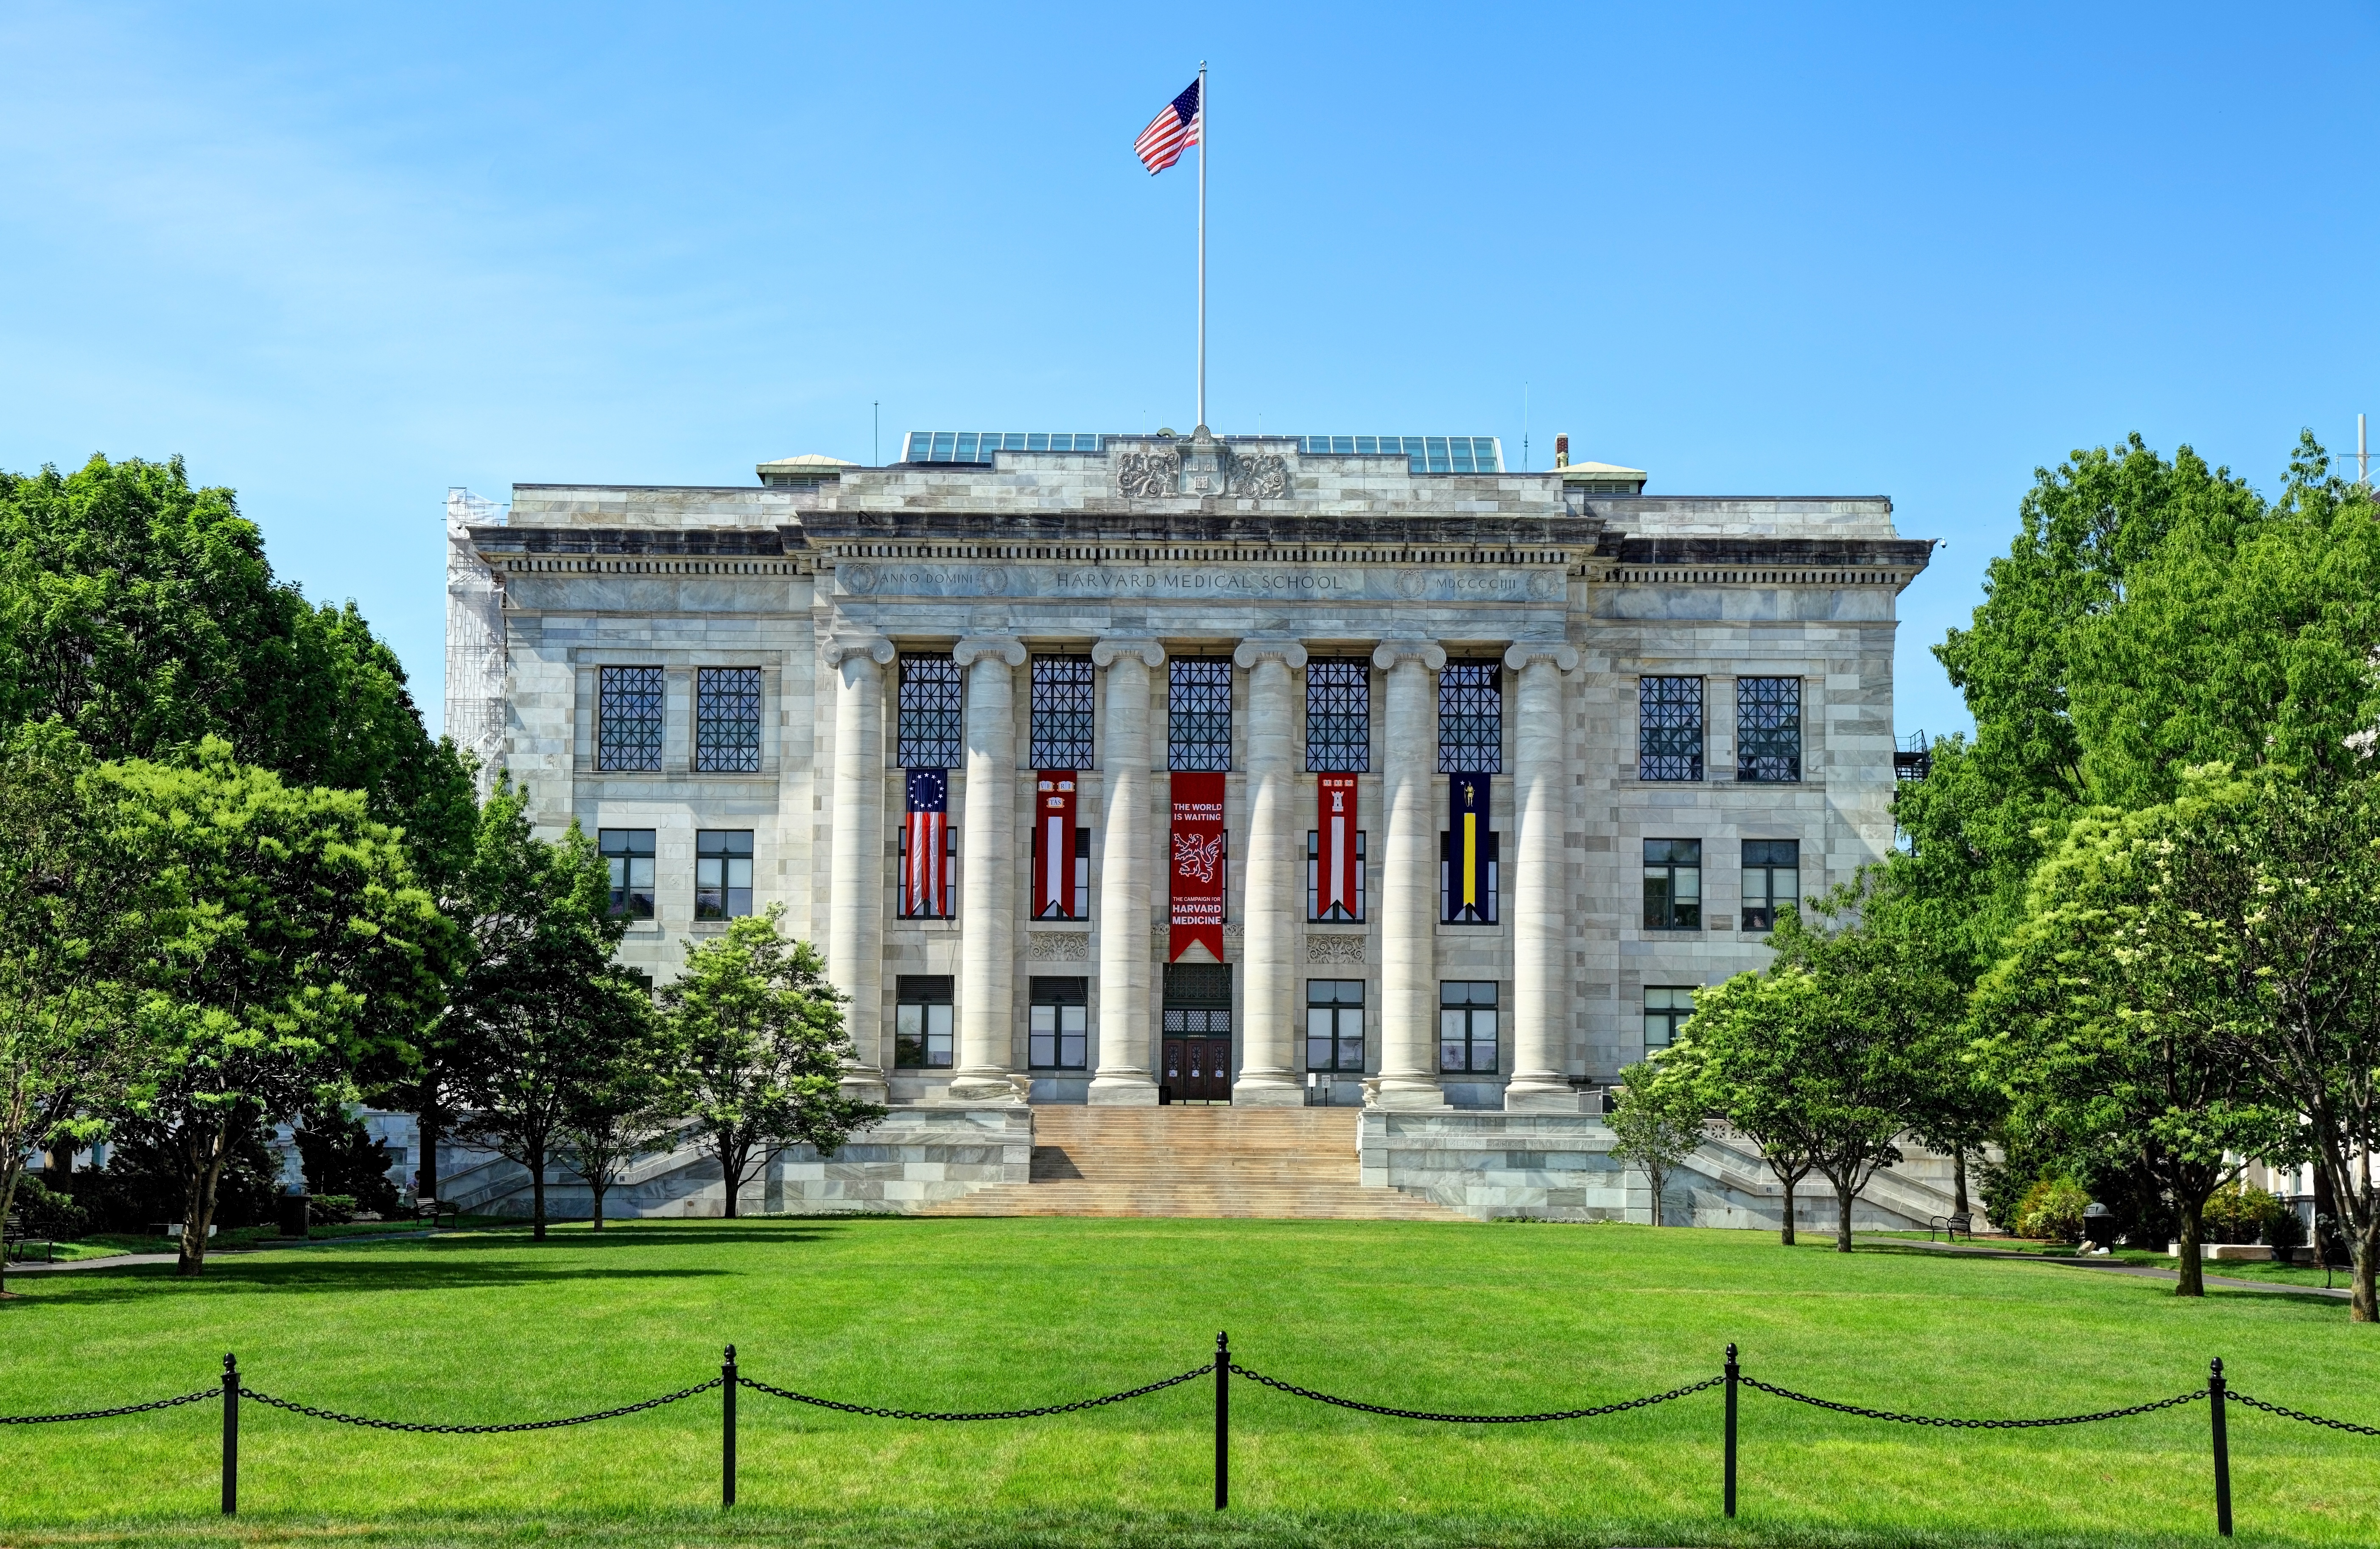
(118, 1261)
(2115, 1266)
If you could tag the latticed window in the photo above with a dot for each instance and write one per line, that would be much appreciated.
(1668, 728)
(1199, 714)
(1062, 712)
(628, 718)
(1471, 718)
(930, 713)
(1339, 717)
(727, 719)
(1768, 729)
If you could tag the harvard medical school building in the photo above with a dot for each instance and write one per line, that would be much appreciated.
(1123, 770)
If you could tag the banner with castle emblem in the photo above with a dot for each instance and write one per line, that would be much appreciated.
(1053, 845)
(1196, 870)
(1336, 896)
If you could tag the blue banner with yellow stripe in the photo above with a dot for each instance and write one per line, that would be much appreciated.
(1469, 847)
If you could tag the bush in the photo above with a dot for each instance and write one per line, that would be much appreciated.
(2243, 1213)
(2052, 1211)
(331, 1210)
(48, 1213)
(342, 1159)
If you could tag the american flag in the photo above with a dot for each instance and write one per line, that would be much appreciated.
(926, 882)
(1172, 132)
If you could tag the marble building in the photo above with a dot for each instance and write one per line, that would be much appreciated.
(1672, 715)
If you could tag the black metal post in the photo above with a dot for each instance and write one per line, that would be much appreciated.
(727, 1430)
(1222, 1420)
(231, 1437)
(2214, 1387)
(1732, 1373)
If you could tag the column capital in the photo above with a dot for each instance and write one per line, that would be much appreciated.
(1429, 653)
(1107, 652)
(1288, 652)
(1561, 653)
(1008, 647)
(876, 648)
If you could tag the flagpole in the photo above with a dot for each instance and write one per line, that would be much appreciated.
(1202, 243)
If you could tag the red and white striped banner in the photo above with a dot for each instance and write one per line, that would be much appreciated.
(1053, 845)
(1334, 810)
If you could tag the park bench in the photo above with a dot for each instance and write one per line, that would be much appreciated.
(1950, 1227)
(429, 1210)
(13, 1235)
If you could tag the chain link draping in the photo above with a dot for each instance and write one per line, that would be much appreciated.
(2239, 1397)
(2191, 1398)
(103, 1414)
(1201, 1370)
(313, 1413)
(1647, 1402)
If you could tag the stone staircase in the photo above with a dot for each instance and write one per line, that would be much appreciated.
(1293, 1164)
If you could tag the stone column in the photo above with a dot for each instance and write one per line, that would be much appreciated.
(987, 872)
(855, 948)
(1126, 1059)
(1408, 893)
(1274, 880)
(1540, 924)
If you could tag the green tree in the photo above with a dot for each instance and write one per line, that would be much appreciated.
(763, 1044)
(67, 902)
(283, 933)
(2116, 1019)
(629, 1108)
(1657, 1126)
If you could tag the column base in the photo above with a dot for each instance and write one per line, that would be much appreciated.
(1406, 1093)
(1522, 1094)
(1267, 1092)
(865, 1086)
(1121, 1092)
(984, 1089)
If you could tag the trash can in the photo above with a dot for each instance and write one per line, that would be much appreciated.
(2098, 1226)
(293, 1212)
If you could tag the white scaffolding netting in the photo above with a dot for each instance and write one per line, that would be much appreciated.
(474, 637)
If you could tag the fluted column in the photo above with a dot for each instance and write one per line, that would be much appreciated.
(1125, 1058)
(1408, 894)
(988, 876)
(855, 942)
(1540, 921)
(1273, 880)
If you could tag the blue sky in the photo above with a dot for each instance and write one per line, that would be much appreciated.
(341, 260)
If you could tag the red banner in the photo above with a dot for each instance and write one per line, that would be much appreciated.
(1196, 864)
(1053, 845)
(1335, 896)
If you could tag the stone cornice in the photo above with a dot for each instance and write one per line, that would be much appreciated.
(842, 530)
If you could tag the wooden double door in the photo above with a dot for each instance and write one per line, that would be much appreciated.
(1198, 1070)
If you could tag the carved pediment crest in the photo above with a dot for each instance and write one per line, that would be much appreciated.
(1147, 475)
(1263, 477)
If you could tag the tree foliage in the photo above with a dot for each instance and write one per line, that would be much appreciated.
(1656, 1127)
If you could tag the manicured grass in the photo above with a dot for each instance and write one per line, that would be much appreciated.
(2145, 1258)
(993, 1315)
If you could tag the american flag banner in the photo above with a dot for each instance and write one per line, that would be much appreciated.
(926, 879)
(1053, 845)
(1173, 130)
(1335, 893)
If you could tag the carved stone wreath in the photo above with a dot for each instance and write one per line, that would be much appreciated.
(1147, 475)
(1264, 477)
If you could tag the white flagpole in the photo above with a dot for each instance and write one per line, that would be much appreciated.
(1202, 243)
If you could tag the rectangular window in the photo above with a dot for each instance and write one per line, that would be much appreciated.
(1666, 1007)
(628, 852)
(1772, 881)
(1673, 884)
(1062, 712)
(1198, 998)
(1471, 718)
(1079, 906)
(727, 719)
(1768, 729)
(1668, 728)
(1060, 1037)
(1335, 1025)
(723, 874)
(950, 900)
(929, 731)
(921, 1022)
(1452, 910)
(629, 719)
(1339, 717)
(1199, 714)
(1466, 1026)
(1314, 879)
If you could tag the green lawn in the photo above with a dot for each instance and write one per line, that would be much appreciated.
(971, 1315)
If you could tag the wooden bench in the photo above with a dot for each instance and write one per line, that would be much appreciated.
(13, 1235)
(430, 1210)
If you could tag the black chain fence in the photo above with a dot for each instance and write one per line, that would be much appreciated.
(2216, 1394)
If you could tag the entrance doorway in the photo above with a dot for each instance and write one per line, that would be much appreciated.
(1198, 1033)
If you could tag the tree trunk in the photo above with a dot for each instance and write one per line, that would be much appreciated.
(1843, 1198)
(1785, 1234)
(2193, 1268)
(731, 1173)
(14, 1168)
(205, 1166)
(598, 1179)
(2363, 1306)
(1655, 1178)
(537, 1193)
(1959, 1182)
(426, 1175)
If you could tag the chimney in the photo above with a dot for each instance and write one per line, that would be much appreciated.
(1561, 450)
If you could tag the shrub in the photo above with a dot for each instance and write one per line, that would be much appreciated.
(2052, 1211)
(2242, 1213)
(331, 1210)
(48, 1213)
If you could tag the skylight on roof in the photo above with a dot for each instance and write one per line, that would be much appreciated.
(977, 446)
(1422, 454)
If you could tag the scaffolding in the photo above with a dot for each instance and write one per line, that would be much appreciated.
(474, 637)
